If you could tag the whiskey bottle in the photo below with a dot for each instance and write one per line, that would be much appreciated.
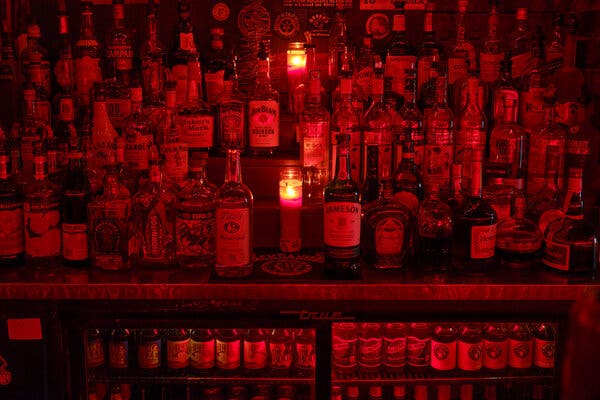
(363, 71)
(428, 54)
(263, 110)
(491, 54)
(508, 145)
(533, 88)
(462, 56)
(34, 52)
(434, 221)
(520, 45)
(183, 48)
(103, 134)
(555, 45)
(503, 89)
(63, 65)
(195, 221)
(155, 112)
(76, 196)
(407, 182)
(138, 135)
(314, 154)
(474, 237)
(41, 215)
(388, 230)
(152, 55)
(400, 55)
(86, 54)
(341, 218)
(231, 110)
(64, 129)
(338, 46)
(12, 247)
(408, 123)
(234, 209)
(215, 64)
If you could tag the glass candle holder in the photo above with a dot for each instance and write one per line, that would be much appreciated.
(296, 66)
(290, 206)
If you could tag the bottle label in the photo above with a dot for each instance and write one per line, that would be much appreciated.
(137, 149)
(483, 241)
(65, 109)
(233, 236)
(364, 80)
(118, 354)
(43, 235)
(489, 65)
(457, 69)
(389, 237)
(202, 354)
(157, 235)
(149, 354)
(536, 162)
(502, 210)
(176, 160)
(369, 352)
(577, 149)
(531, 108)
(344, 352)
(342, 224)
(409, 199)
(556, 255)
(520, 353)
(383, 140)
(438, 162)
(396, 66)
(62, 72)
(228, 354)
(418, 351)
(443, 355)
(255, 354)
(195, 233)
(281, 355)
(394, 352)
(118, 111)
(179, 75)
(305, 355)
(198, 131)
(122, 55)
(502, 150)
(178, 353)
(108, 236)
(11, 229)
(95, 353)
(87, 71)
(232, 123)
(499, 99)
(548, 217)
(186, 42)
(264, 123)
(75, 241)
(495, 354)
(214, 85)
(543, 355)
(470, 356)
(314, 146)
(520, 63)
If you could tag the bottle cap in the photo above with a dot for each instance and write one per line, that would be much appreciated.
(521, 14)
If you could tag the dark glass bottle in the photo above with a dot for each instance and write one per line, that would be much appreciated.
(149, 351)
(444, 347)
(202, 350)
(177, 344)
(118, 349)
(12, 246)
(228, 344)
(255, 350)
(544, 345)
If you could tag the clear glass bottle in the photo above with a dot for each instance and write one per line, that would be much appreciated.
(508, 145)
(215, 65)
(491, 54)
(338, 46)
(41, 214)
(86, 54)
(12, 246)
(103, 134)
(407, 182)
(152, 51)
(434, 221)
(521, 42)
(234, 209)
(400, 54)
(418, 346)
(429, 53)
(305, 354)
(156, 113)
(195, 222)
(394, 346)
(388, 231)
(369, 347)
(462, 56)
(231, 111)
(533, 88)
(342, 217)
(499, 195)
(263, 110)
(42, 98)
(344, 338)
(138, 135)
(444, 347)
(281, 349)
(65, 133)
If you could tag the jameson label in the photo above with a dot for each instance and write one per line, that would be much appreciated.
(443, 355)
(214, 85)
(178, 353)
(396, 66)
(202, 354)
(489, 65)
(95, 353)
(43, 236)
(195, 233)
(369, 352)
(118, 110)
(137, 149)
(281, 355)
(389, 236)
(470, 356)
(11, 229)
(418, 351)
(176, 160)
(520, 353)
(264, 123)
(75, 241)
(344, 352)
(483, 241)
(255, 354)
(305, 355)
(314, 146)
(118, 354)
(232, 126)
(198, 131)
(495, 354)
(87, 71)
(233, 236)
(543, 353)
(228, 354)
(342, 224)
(149, 354)
(394, 352)
(122, 55)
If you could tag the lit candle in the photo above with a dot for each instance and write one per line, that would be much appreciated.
(290, 205)
(296, 65)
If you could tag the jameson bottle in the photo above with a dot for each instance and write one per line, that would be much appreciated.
(86, 54)
(234, 207)
(341, 218)
(11, 214)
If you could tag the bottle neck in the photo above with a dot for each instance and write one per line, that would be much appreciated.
(377, 89)
(4, 168)
(87, 24)
(460, 24)
(118, 13)
(155, 172)
(29, 103)
(192, 91)
(519, 208)
(399, 25)
(372, 162)
(152, 28)
(492, 34)
(40, 168)
(263, 76)
(440, 91)
(428, 24)
(198, 173)
(233, 171)
(476, 181)
(314, 92)
(63, 24)
(342, 166)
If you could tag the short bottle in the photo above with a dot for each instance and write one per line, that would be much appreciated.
(280, 349)
(495, 346)
(305, 355)
(344, 338)
(470, 347)
(520, 346)
(228, 349)
(202, 350)
(118, 349)
(544, 345)
(12, 247)
(418, 345)
(444, 347)
(255, 350)
(177, 344)
(394, 346)
(369, 347)
(149, 351)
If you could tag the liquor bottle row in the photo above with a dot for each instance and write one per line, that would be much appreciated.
(442, 349)
(201, 351)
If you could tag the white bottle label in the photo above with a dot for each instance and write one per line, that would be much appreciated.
(314, 146)
(556, 255)
(531, 108)
(43, 237)
(495, 354)
(470, 356)
(233, 236)
(195, 233)
(483, 241)
(228, 354)
(418, 351)
(443, 355)
(176, 160)
(342, 224)
(264, 123)
(75, 241)
(396, 66)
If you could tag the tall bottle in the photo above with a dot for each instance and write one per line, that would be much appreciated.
(314, 154)
(12, 247)
(503, 89)
(11, 78)
(34, 52)
(429, 54)
(263, 110)
(138, 135)
(520, 44)
(41, 214)
(76, 196)
(86, 54)
(408, 122)
(63, 66)
(533, 88)
(183, 49)
(338, 46)
(42, 98)
(363, 71)
(231, 110)
(103, 134)
(215, 65)
(152, 52)
(462, 56)
(400, 55)
(234, 208)
(491, 52)
(508, 145)
(341, 217)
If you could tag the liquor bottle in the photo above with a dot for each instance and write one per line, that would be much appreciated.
(503, 89)
(195, 222)
(156, 112)
(456, 195)
(555, 47)
(443, 347)
(518, 240)
(56, 156)
(231, 110)
(491, 54)
(520, 45)
(11, 78)
(42, 98)
(177, 344)
(369, 347)
(338, 46)
(305, 350)
(394, 346)
(533, 88)
(202, 350)
(118, 349)
(439, 141)
(234, 208)
(76, 196)
(462, 56)
(94, 350)
(103, 134)
(470, 347)
(215, 65)
(508, 144)
(154, 220)
(544, 345)
(86, 54)
(314, 154)
(149, 351)
(520, 350)
(418, 346)
(546, 205)
(112, 242)
(572, 243)
(41, 215)
(152, 53)
(138, 135)
(400, 55)
(434, 221)
(183, 48)
(377, 126)
(552, 134)
(176, 156)
(363, 71)
(119, 57)
(255, 350)
(346, 120)
(341, 217)
(280, 350)
(263, 110)
(428, 54)
(64, 129)
(12, 246)
(344, 337)
(472, 131)
(228, 346)
(474, 234)
(34, 52)
(495, 346)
